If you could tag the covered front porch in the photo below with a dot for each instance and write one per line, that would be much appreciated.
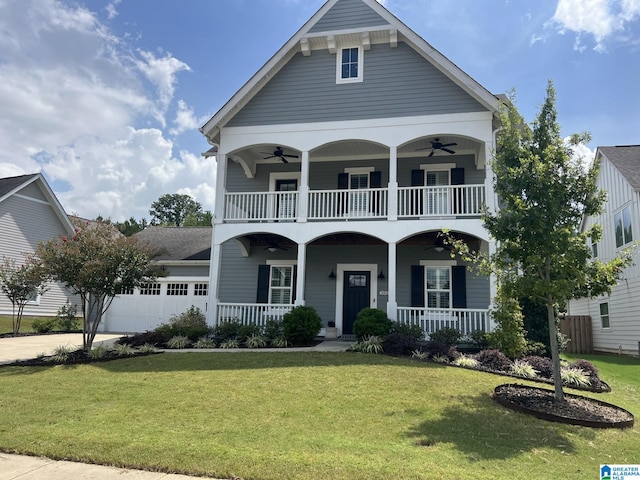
(415, 281)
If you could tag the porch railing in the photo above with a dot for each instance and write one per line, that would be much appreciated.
(348, 204)
(251, 313)
(458, 200)
(432, 319)
(260, 206)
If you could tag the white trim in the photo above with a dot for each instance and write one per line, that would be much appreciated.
(372, 268)
(292, 287)
(275, 176)
(284, 263)
(357, 170)
(437, 167)
(31, 199)
(438, 263)
(360, 77)
(36, 301)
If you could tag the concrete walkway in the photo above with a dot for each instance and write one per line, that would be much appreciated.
(14, 467)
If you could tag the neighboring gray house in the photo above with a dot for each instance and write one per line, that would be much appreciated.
(30, 213)
(183, 256)
(615, 320)
(338, 163)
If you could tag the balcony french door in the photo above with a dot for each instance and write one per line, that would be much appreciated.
(437, 198)
(286, 208)
(358, 200)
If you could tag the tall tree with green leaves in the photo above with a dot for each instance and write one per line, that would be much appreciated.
(131, 226)
(545, 191)
(22, 284)
(173, 209)
(97, 263)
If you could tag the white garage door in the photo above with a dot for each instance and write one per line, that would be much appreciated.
(155, 303)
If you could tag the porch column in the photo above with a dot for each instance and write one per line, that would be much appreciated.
(214, 277)
(393, 184)
(302, 270)
(303, 199)
(493, 288)
(221, 173)
(392, 303)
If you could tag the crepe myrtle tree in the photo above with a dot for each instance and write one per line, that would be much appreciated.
(22, 284)
(96, 263)
(542, 252)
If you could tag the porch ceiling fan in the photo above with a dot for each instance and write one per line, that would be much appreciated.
(279, 153)
(273, 246)
(436, 145)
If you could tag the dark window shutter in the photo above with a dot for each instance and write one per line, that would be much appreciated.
(375, 179)
(459, 286)
(264, 273)
(417, 178)
(294, 283)
(457, 176)
(417, 286)
(343, 181)
(459, 203)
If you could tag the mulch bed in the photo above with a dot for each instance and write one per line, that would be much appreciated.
(574, 410)
(78, 357)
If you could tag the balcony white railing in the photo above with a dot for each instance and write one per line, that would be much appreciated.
(251, 313)
(448, 200)
(432, 319)
(261, 206)
(351, 204)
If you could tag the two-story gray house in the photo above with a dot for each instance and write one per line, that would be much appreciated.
(338, 163)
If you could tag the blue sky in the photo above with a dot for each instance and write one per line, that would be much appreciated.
(105, 96)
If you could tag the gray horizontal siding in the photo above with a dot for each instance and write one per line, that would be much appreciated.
(347, 14)
(189, 271)
(397, 82)
(33, 190)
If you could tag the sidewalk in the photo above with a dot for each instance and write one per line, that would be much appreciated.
(36, 468)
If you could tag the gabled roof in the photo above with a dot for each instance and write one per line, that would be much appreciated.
(307, 36)
(626, 158)
(178, 243)
(11, 185)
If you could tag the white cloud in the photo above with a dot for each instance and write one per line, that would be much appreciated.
(602, 19)
(185, 119)
(89, 112)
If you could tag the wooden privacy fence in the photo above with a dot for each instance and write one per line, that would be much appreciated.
(578, 329)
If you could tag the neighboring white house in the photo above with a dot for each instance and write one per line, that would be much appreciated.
(338, 163)
(615, 318)
(30, 213)
(183, 256)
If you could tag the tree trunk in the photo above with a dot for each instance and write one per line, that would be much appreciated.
(553, 339)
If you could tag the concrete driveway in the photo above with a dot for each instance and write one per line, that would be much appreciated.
(24, 348)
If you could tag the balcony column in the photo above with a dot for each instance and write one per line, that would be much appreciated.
(221, 173)
(490, 197)
(214, 280)
(393, 185)
(302, 270)
(392, 303)
(303, 197)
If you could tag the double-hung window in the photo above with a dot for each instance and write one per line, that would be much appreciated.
(281, 285)
(349, 67)
(623, 227)
(438, 286)
(604, 315)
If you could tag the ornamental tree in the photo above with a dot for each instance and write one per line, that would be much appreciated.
(96, 263)
(22, 284)
(542, 253)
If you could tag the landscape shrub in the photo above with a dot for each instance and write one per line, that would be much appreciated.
(397, 343)
(273, 329)
(523, 369)
(179, 341)
(66, 319)
(590, 369)
(247, 331)
(123, 350)
(227, 329)
(543, 365)
(574, 376)
(371, 321)
(205, 342)
(494, 360)
(256, 341)
(480, 339)
(412, 330)
(301, 325)
(140, 339)
(509, 334)
(433, 348)
(447, 335)
(43, 325)
(465, 361)
(191, 324)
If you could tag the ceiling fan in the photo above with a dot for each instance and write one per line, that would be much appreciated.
(436, 145)
(273, 246)
(279, 153)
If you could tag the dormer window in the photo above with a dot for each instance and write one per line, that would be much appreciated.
(349, 67)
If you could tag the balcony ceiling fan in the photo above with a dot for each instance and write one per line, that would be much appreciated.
(279, 153)
(436, 145)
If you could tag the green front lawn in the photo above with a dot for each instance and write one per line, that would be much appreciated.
(301, 416)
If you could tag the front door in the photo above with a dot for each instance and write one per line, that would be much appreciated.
(287, 201)
(356, 296)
